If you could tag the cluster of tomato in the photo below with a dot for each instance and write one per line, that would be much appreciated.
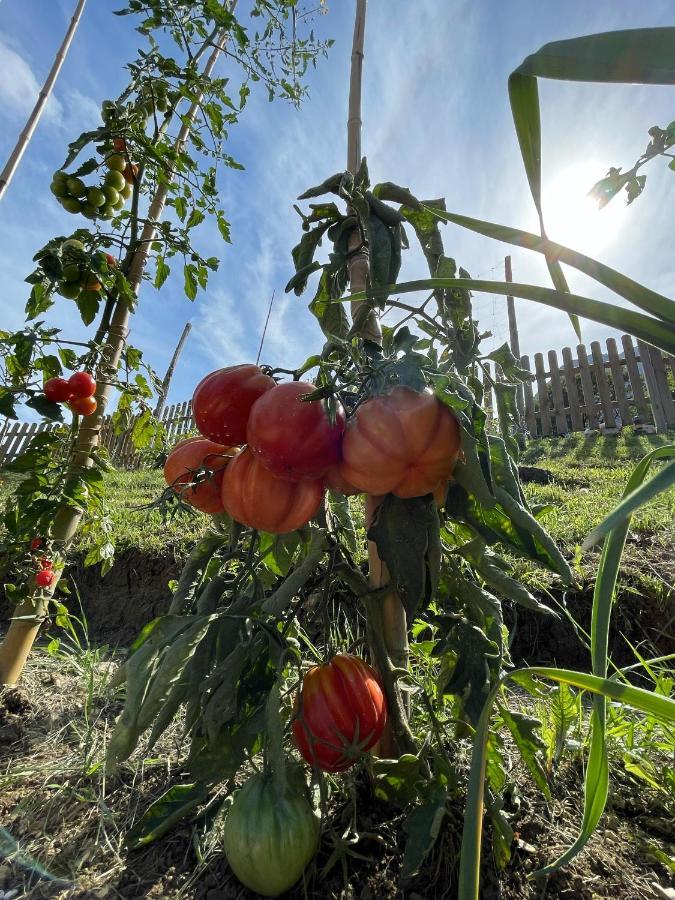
(77, 278)
(77, 392)
(404, 442)
(44, 577)
(98, 201)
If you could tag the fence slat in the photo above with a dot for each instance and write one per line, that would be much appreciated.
(556, 389)
(618, 381)
(657, 385)
(530, 417)
(602, 385)
(635, 379)
(487, 393)
(542, 394)
(587, 387)
(572, 391)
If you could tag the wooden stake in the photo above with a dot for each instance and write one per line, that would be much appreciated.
(25, 136)
(29, 614)
(169, 372)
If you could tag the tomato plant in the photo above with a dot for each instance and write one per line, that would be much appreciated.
(293, 436)
(184, 463)
(340, 713)
(223, 399)
(260, 499)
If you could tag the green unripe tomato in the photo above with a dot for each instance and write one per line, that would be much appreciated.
(116, 162)
(59, 189)
(89, 211)
(71, 205)
(111, 194)
(107, 212)
(115, 179)
(60, 176)
(95, 196)
(72, 244)
(270, 836)
(119, 204)
(76, 187)
(127, 191)
(69, 290)
(71, 272)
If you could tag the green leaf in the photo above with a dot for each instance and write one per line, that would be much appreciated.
(397, 779)
(88, 303)
(303, 253)
(329, 186)
(299, 281)
(190, 282)
(162, 272)
(406, 533)
(524, 732)
(46, 408)
(422, 826)
(178, 802)
(7, 403)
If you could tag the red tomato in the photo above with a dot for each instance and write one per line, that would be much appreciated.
(83, 406)
(36, 543)
(110, 259)
(58, 390)
(185, 459)
(130, 173)
(119, 144)
(46, 563)
(403, 443)
(44, 578)
(340, 712)
(335, 482)
(259, 499)
(222, 402)
(292, 439)
(82, 384)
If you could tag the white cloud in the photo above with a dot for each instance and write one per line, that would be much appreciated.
(19, 87)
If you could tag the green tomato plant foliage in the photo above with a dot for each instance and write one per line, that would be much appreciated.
(110, 176)
(250, 609)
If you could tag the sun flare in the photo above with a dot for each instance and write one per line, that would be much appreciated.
(572, 217)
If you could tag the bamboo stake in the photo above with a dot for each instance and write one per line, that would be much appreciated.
(394, 625)
(25, 136)
(169, 372)
(30, 614)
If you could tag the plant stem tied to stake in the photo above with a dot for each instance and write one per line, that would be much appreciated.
(31, 612)
(393, 619)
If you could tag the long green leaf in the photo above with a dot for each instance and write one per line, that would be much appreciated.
(660, 306)
(596, 783)
(646, 328)
(638, 497)
(646, 701)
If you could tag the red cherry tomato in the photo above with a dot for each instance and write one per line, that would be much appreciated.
(36, 543)
(222, 402)
(110, 259)
(294, 440)
(404, 443)
(58, 390)
(185, 459)
(256, 497)
(83, 406)
(119, 144)
(44, 578)
(46, 563)
(82, 384)
(340, 712)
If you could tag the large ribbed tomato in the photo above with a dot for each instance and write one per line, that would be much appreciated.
(295, 440)
(403, 443)
(341, 711)
(222, 402)
(256, 497)
(271, 833)
(186, 458)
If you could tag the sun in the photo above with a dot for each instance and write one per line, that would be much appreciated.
(572, 217)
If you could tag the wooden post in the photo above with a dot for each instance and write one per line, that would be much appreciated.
(572, 390)
(542, 393)
(487, 393)
(587, 387)
(617, 380)
(163, 393)
(556, 389)
(24, 138)
(513, 335)
(530, 417)
(603, 387)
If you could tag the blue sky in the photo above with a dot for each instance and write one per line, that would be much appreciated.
(436, 118)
